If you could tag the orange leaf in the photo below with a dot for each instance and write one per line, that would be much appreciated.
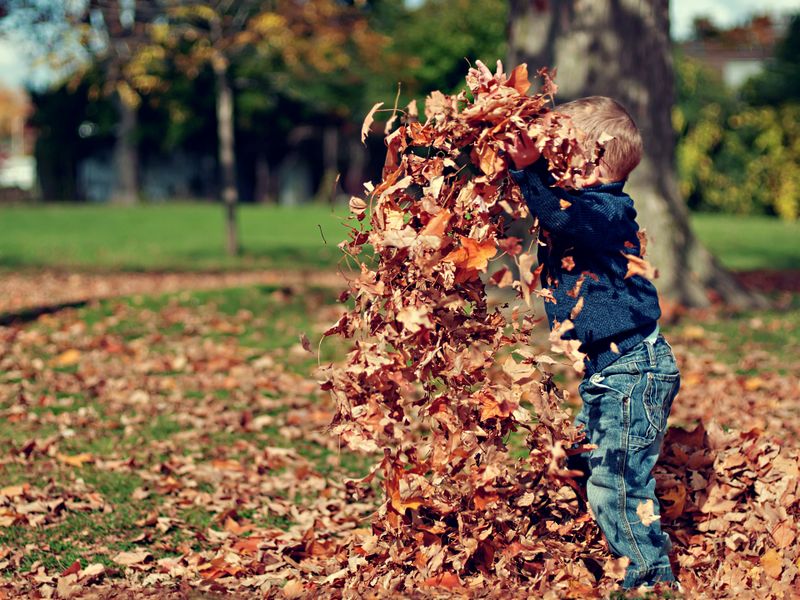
(783, 534)
(482, 499)
(73, 568)
(519, 79)
(398, 503)
(677, 498)
(771, 562)
(248, 545)
(294, 588)
(490, 161)
(76, 460)
(67, 358)
(234, 527)
(448, 581)
(639, 266)
(14, 490)
(226, 464)
(472, 255)
(218, 567)
(436, 226)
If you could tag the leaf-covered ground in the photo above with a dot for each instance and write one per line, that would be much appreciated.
(175, 446)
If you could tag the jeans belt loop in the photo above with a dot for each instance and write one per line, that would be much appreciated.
(651, 353)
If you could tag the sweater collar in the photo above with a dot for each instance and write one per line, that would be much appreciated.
(615, 187)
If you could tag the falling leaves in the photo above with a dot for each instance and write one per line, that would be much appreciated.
(639, 266)
(368, 121)
(429, 384)
(419, 384)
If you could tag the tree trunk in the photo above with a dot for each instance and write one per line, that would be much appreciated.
(264, 191)
(357, 162)
(330, 161)
(621, 49)
(227, 159)
(126, 155)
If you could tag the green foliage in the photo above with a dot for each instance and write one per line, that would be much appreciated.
(734, 157)
(439, 36)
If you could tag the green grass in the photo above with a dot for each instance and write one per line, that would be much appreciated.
(166, 237)
(191, 237)
(774, 332)
(744, 243)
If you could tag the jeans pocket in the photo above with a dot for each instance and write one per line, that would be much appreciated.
(661, 389)
(649, 408)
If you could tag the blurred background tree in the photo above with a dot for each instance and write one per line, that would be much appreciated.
(739, 150)
(262, 100)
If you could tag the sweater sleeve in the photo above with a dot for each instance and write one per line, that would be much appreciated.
(592, 217)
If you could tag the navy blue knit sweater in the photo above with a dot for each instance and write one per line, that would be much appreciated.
(588, 239)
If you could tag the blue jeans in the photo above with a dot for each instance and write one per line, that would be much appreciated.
(624, 413)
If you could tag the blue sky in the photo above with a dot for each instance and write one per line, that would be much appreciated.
(14, 69)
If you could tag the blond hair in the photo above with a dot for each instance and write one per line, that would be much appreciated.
(595, 115)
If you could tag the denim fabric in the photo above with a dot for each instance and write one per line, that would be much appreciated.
(625, 410)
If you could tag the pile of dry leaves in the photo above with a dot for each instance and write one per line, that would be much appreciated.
(436, 380)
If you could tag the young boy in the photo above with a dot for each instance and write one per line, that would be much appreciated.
(631, 376)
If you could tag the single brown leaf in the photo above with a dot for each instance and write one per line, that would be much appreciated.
(519, 79)
(134, 557)
(365, 127)
(76, 460)
(645, 512)
(436, 226)
(449, 581)
(639, 266)
(472, 255)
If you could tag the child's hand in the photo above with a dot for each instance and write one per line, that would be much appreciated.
(523, 151)
(482, 75)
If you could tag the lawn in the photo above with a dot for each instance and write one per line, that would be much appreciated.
(190, 237)
(167, 237)
(748, 243)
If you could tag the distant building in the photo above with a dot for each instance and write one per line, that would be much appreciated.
(738, 53)
(18, 172)
(17, 165)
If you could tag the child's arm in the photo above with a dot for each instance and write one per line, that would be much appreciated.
(601, 221)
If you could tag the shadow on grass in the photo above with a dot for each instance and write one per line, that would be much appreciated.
(31, 314)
